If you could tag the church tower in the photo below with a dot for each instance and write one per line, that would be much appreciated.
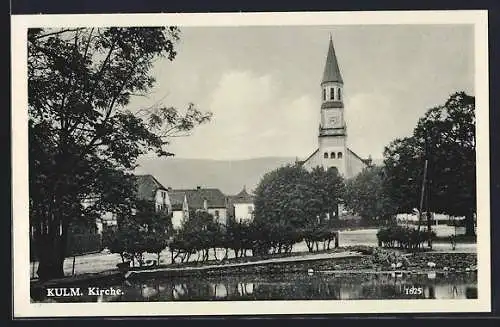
(332, 138)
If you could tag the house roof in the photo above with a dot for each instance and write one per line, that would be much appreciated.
(196, 197)
(176, 200)
(332, 70)
(147, 185)
(242, 197)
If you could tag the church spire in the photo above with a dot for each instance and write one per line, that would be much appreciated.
(332, 70)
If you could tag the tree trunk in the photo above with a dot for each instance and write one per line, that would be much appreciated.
(51, 247)
(51, 261)
(469, 225)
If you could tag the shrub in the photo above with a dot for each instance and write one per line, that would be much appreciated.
(403, 237)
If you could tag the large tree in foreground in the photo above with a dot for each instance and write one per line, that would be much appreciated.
(445, 136)
(83, 140)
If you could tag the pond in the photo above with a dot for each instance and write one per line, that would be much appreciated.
(296, 286)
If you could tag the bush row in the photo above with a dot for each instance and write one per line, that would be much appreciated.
(242, 238)
(403, 237)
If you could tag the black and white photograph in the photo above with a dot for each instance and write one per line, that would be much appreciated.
(250, 163)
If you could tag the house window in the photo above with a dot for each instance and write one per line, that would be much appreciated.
(324, 94)
(332, 93)
(339, 155)
(332, 155)
(163, 195)
(217, 214)
(325, 155)
(339, 94)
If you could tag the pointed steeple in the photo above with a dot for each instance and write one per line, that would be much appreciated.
(332, 70)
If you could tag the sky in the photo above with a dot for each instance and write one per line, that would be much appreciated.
(262, 84)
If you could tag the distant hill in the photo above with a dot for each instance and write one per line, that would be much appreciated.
(228, 175)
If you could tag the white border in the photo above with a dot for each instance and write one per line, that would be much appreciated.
(20, 226)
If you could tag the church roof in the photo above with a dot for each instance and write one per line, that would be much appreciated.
(358, 157)
(332, 70)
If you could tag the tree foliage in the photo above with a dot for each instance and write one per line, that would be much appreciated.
(145, 231)
(292, 204)
(445, 136)
(367, 196)
(83, 136)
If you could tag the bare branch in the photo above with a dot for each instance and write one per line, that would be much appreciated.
(59, 32)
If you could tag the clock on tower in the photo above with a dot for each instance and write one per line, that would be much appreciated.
(335, 120)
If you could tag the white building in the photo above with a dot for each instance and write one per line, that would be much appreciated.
(332, 148)
(242, 206)
(149, 189)
(211, 200)
(180, 208)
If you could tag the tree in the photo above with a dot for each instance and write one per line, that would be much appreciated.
(445, 136)
(145, 231)
(198, 233)
(367, 196)
(83, 140)
(290, 200)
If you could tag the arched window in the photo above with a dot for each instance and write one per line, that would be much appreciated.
(339, 94)
(324, 94)
(332, 93)
(339, 155)
(332, 155)
(325, 155)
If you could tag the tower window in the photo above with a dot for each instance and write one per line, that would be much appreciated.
(339, 155)
(324, 94)
(332, 93)
(332, 155)
(325, 155)
(339, 94)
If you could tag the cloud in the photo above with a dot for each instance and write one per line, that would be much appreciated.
(253, 116)
(373, 121)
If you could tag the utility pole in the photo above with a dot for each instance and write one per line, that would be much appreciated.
(428, 194)
(422, 193)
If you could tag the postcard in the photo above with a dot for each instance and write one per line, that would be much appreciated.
(250, 163)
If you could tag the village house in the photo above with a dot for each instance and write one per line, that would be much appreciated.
(180, 208)
(211, 200)
(149, 189)
(241, 206)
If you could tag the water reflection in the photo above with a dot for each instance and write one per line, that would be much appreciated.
(293, 287)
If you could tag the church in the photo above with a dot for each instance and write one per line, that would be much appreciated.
(332, 148)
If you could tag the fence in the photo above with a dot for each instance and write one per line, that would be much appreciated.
(78, 244)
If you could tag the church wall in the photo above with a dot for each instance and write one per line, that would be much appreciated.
(330, 142)
(355, 165)
(313, 161)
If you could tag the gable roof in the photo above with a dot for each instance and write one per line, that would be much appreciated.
(196, 197)
(242, 197)
(147, 185)
(304, 161)
(358, 157)
(176, 200)
(332, 70)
